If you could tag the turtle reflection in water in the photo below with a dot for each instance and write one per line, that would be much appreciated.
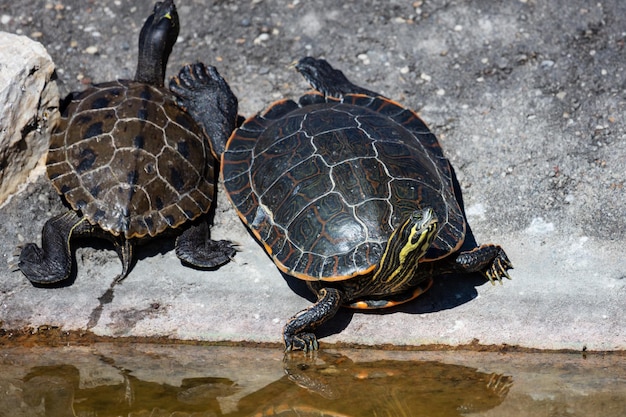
(328, 385)
(351, 192)
(133, 164)
(337, 386)
(63, 394)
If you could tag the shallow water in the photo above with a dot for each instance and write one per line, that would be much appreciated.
(179, 380)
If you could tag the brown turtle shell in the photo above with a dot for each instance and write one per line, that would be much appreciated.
(130, 160)
(323, 183)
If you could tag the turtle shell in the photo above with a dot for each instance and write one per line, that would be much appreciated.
(130, 160)
(323, 183)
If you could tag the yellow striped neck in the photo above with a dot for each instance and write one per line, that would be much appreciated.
(406, 246)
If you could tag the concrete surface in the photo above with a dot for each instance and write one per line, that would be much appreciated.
(527, 97)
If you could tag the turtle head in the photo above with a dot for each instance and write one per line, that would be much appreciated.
(158, 36)
(418, 232)
(406, 246)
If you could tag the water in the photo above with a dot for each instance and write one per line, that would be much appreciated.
(180, 380)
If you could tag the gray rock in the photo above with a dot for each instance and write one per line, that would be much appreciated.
(29, 110)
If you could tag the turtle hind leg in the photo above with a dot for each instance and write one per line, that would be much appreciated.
(490, 260)
(206, 96)
(328, 80)
(52, 262)
(298, 332)
(195, 247)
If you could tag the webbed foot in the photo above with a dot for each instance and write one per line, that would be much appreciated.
(490, 260)
(195, 247)
(297, 333)
(42, 268)
(498, 268)
(51, 263)
(328, 80)
(306, 342)
(207, 97)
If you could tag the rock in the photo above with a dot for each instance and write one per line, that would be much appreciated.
(29, 101)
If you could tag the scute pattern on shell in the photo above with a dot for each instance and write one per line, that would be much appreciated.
(322, 184)
(128, 158)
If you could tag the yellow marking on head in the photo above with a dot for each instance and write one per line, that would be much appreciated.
(409, 242)
(418, 236)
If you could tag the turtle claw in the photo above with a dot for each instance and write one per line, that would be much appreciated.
(194, 81)
(15, 258)
(306, 342)
(13, 265)
(190, 79)
(498, 268)
(490, 260)
(298, 332)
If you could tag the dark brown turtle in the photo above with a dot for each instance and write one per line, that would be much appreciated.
(132, 163)
(351, 192)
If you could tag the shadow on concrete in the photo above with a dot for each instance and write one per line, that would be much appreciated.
(447, 292)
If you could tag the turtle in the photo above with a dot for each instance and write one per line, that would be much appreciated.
(351, 192)
(132, 163)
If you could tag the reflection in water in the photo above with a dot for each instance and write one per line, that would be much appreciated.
(57, 387)
(324, 385)
(336, 386)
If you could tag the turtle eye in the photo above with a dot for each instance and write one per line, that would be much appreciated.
(423, 223)
(417, 216)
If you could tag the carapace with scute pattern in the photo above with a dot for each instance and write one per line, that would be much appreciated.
(132, 163)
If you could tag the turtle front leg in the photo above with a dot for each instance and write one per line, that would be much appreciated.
(490, 260)
(195, 247)
(52, 262)
(298, 332)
